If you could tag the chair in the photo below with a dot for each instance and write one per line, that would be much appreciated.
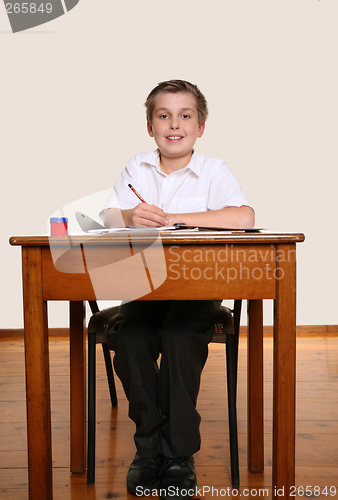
(226, 331)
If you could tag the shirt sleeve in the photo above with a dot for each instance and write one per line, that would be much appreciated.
(121, 196)
(225, 190)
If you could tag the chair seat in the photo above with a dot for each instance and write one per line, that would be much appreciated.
(101, 322)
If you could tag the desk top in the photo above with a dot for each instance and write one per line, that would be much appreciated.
(176, 237)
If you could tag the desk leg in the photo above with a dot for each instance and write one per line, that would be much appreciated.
(284, 374)
(255, 387)
(37, 378)
(77, 388)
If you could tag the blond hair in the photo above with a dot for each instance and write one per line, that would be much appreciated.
(176, 86)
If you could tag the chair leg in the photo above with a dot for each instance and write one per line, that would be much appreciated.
(91, 408)
(237, 320)
(110, 374)
(231, 363)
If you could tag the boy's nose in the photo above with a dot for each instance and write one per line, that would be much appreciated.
(174, 125)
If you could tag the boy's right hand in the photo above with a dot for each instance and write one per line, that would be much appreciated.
(144, 215)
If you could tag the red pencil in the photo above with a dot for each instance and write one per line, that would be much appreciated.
(135, 192)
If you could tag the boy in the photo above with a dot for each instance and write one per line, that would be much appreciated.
(179, 186)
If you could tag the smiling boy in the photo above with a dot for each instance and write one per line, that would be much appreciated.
(179, 186)
(176, 119)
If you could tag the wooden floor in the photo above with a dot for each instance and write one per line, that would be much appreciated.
(316, 441)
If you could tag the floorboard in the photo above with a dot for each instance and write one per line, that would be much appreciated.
(316, 425)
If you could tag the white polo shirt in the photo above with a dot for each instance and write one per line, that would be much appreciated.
(206, 183)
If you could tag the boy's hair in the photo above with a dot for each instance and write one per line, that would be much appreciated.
(176, 86)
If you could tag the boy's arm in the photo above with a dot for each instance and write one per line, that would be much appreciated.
(143, 215)
(231, 217)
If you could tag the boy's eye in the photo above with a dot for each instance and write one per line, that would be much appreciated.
(185, 116)
(163, 116)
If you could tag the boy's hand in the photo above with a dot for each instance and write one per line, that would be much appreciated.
(145, 215)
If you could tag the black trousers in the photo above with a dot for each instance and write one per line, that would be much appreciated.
(162, 396)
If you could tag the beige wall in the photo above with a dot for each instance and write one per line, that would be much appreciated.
(72, 115)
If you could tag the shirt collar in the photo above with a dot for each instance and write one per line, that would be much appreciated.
(195, 163)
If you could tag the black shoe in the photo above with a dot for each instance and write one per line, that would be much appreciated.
(143, 474)
(178, 479)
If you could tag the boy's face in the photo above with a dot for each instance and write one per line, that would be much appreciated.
(175, 126)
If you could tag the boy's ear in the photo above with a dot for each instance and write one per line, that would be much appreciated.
(201, 129)
(150, 130)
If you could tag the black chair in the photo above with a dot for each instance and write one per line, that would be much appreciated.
(226, 331)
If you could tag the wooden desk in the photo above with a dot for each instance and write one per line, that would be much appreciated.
(252, 266)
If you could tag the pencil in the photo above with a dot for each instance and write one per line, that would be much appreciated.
(135, 192)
